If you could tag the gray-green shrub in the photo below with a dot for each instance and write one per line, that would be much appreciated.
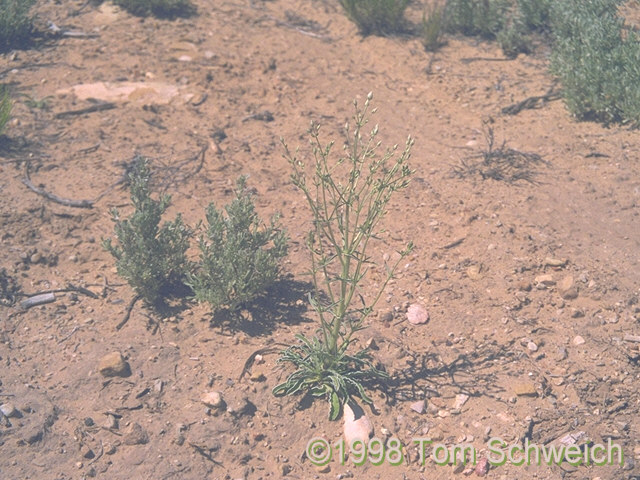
(597, 60)
(159, 8)
(377, 17)
(16, 26)
(152, 258)
(239, 256)
(5, 107)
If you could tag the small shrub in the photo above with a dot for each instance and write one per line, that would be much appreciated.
(476, 17)
(159, 8)
(432, 27)
(513, 38)
(16, 26)
(534, 13)
(509, 21)
(152, 258)
(346, 212)
(597, 60)
(239, 257)
(5, 107)
(377, 17)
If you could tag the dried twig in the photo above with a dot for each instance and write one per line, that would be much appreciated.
(68, 336)
(531, 102)
(51, 196)
(128, 312)
(98, 107)
(262, 351)
(70, 288)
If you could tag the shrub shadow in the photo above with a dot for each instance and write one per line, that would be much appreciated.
(285, 302)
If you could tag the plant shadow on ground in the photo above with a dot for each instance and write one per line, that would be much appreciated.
(285, 302)
(472, 373)
(500, 162)
(15, 149)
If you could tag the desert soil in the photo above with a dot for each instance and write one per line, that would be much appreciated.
(527, 263)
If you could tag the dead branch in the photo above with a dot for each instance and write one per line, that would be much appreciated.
(128, 312)
(51, 196)
(262, 351)
(531, 102)
(98, 107)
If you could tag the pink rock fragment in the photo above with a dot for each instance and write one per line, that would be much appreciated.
(417, 314)
(419, 406)
(482, 467)
(356, 425)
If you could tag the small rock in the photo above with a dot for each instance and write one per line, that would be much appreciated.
(526, 389)
(285, 468)
(524, 286)
(578, 340)
(89, 422)
(136, 436)
(474, 272)
(323, 469)
(532, 347)
(371, 344)
(158, 386)
(86, 452)
(243, 407)
(554, 262)
(257, 375)
(112, 422)
(562, 354)
(114, 365)
(419, 406)
(576, 313)
(482, 467)
(417, 314)
(544, 280)
(356, 424)
(109, 449)
(9, 410)
(213, 400)
(567, 288)
(458, 467)
(461, 399)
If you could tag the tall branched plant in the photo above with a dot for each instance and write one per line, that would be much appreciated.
(348, 198)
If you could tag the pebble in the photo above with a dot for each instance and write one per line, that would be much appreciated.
(544, 280)
(482, 467)
(324, 468)
(114, 365)
(461, 399)
(474, 272)
(576, 313)
(213, 400)
(112, 422)
(567, 288)
(578, 340)
(257, 376)
(554, 262)
(136, 436)
(86, 452)
(356, 425)
(532, 347)
(417, 314)
(419, 406)
(9, 410)
(526, 389)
